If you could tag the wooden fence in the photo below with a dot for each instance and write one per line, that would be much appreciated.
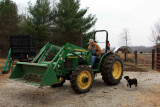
(145, 59)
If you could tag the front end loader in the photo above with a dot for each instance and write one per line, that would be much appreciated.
(72, 63)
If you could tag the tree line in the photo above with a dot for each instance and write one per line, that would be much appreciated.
(59, 23)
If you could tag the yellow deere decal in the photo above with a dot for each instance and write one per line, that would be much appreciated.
(68, 48)
(76, 56)
(72, 56)
(80, 50)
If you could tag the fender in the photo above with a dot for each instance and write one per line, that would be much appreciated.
(101, 60)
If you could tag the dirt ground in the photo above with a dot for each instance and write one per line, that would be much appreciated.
(16, 94)
(147, 94)
(132, 67)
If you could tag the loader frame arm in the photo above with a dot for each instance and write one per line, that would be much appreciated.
(45, 51)
(69, 48)
(61, 54)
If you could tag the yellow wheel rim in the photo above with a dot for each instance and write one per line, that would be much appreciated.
(117, 70)
(60, 79)
(84, 75)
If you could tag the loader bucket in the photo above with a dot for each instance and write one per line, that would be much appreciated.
(42, 74)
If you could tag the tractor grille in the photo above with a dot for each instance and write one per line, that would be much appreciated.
(68, 64)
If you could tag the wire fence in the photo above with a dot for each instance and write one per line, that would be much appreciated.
(152, 60)
(147, 60)
(142, 58)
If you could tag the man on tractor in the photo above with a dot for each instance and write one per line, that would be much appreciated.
(95, 49)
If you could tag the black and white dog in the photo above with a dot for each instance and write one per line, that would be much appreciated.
(131, 81)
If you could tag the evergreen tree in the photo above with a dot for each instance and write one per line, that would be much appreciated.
(38, 22)
(70, 23)
(9, 20)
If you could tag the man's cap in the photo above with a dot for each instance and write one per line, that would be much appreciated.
(91, 40)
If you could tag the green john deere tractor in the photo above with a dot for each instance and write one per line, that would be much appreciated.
(72, 63)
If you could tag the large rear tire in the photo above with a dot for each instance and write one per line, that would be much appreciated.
(81, 79)
(112, 69)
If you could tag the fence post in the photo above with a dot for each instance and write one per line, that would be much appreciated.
(125, 56)
(135, 57)
(153, 58)
(158, 59)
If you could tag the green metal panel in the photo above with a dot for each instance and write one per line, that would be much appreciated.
(50, 77)
(8, 61)
(100, 62)
(17, 72)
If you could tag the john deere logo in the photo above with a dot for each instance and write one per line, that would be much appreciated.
(68, 48)
(81, 50)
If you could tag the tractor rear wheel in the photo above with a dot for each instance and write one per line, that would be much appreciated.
(81, 79)
(60, 82)
(112, 69)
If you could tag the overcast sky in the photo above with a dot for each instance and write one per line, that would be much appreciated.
(139, 16)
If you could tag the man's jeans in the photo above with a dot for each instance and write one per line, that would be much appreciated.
(94, 59)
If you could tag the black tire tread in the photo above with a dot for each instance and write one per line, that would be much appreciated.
(106, 69)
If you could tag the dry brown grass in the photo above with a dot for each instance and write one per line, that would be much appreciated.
(142, 59)
(2, 63)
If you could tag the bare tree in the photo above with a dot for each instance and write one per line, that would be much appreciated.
(125, 36)
(155, 36)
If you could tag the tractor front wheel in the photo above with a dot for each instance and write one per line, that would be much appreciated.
(60, 82)
(81, 79)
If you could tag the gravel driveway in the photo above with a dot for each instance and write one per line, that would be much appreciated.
(15, 94)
